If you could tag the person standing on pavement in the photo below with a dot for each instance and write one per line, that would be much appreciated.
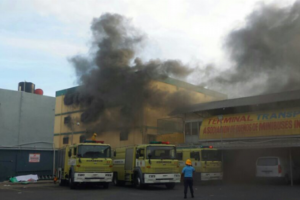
(187, 173)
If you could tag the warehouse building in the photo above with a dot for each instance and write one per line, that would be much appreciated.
(153, 124)
(246, 129)
(26, 131)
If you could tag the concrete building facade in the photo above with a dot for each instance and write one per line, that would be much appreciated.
(150, 122)
(248, 128)
(227, 122)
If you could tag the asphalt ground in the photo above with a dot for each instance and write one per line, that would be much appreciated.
(49, 191)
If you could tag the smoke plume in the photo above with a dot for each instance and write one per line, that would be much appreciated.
(265, 54)
(113, 77)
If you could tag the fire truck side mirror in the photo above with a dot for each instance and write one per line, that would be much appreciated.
(115, 153)
(69, 153)
(137, 155)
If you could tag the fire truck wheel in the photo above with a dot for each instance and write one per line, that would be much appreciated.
(116, 181)
(137, 181)
(71, 182)
(106, 185)
(170, 185)
(61, 182)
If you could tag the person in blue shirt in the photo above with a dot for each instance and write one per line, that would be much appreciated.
(187, 173)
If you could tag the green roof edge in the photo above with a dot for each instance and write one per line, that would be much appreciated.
(171, 81)
(63, 92)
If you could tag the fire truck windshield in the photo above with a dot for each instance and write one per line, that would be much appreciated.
(94, 151)
(158, 152)
(211, 155)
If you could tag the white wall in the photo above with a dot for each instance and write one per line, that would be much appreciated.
(26, 118)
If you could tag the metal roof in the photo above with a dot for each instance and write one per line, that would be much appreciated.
(240, 102)
(258, 143)
(278, 142)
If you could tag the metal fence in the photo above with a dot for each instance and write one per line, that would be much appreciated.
(21, 162)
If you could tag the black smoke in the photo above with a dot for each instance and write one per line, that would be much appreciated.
(112, 76)
(264, 53)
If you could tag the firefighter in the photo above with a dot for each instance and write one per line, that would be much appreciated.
(94, 136)
(187, 173)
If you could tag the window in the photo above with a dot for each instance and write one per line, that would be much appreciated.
(93, 151)
(188, 128)
(66, 140)
(211, 155)
(195, 155)
(141, 152)
(192, 128)
(67, 120)
(124, 135)
(199, 127)
(161, 152)
(82, 138)
(179, 156)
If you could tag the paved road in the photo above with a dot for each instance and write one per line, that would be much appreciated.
(204, 192)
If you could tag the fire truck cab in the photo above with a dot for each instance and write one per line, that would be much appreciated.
(88, 162)
(206, 160)
(146, 164)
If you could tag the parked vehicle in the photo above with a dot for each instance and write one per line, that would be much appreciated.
(206, 160)
(275, 167)
(88, 162)
(146, 164)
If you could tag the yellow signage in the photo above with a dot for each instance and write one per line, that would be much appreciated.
(249, 125)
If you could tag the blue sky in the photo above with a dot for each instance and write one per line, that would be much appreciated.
(38, 36)
(35, 48)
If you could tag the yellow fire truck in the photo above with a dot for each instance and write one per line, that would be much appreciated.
(88, 162)
(146, 164)
(206, 160)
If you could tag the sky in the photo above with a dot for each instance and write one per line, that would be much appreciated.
(38, 37)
